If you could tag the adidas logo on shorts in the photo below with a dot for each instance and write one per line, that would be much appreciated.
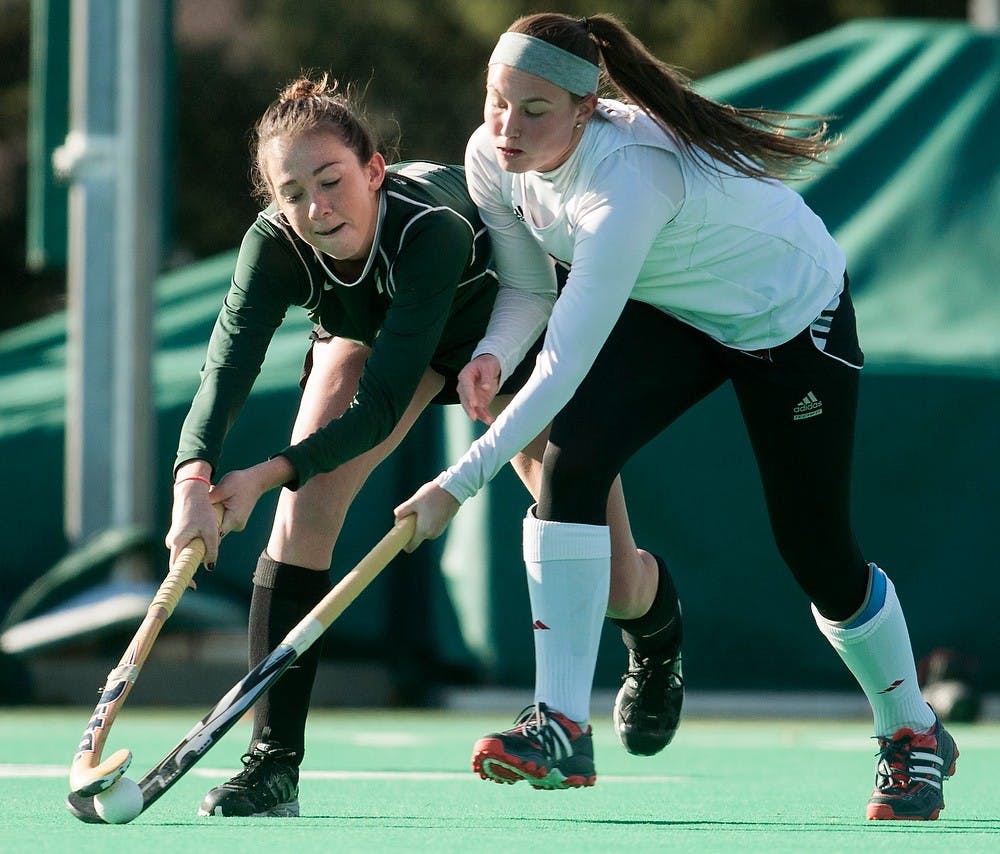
(809, 406)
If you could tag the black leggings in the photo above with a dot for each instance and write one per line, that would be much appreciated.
(798, 404)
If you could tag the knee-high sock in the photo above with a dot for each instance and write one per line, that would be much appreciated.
(569, 573)
(875, 646)
(282, 595)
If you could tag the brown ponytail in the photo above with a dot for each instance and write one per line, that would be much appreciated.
(754, 142)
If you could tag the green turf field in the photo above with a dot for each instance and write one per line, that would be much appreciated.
(399, 781)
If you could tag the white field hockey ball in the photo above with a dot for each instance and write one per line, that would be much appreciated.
(120, 802)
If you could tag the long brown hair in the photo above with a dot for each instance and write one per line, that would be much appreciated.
(304, 105)
(754, 142)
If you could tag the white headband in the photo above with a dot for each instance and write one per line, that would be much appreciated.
(535, 56)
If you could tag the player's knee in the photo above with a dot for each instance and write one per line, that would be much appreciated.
(574, 488)
(834, 578)
(309, 519)
(565, 473)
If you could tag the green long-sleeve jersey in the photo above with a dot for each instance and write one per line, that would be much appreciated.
(424, 299)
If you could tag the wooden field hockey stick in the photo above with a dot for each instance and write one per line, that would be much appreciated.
(88, 774)
(211, 728)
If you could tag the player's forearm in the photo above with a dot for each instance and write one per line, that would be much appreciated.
(517, 320)
(273, 473)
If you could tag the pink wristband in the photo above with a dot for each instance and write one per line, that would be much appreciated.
(193, 477)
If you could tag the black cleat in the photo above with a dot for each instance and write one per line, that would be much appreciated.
(648, 706)
(268, 785)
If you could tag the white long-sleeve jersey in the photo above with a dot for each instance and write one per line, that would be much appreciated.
(742, 259)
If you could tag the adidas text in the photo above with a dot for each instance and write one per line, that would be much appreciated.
(809, 406)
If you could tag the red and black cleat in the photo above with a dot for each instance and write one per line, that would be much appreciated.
(911, 771)
(543, 747)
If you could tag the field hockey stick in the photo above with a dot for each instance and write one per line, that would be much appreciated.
(211, 728)
(88, 774)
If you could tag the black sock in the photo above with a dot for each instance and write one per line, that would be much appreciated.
(660, 629)
(282, 595)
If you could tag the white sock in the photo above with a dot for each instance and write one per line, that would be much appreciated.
(879, 654)
(569, 573)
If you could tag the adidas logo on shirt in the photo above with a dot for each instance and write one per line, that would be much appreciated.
(809, 406)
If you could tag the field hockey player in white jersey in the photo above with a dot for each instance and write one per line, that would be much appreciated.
(691, 265)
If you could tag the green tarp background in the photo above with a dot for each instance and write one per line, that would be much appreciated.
(913, 196)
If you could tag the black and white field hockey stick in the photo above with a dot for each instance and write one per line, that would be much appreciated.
(211, 728)
(88, 774)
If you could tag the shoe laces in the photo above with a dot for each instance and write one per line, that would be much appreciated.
(904, 762)
(532, 719)
(262, 754)
(654, 673)
(552, 731)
